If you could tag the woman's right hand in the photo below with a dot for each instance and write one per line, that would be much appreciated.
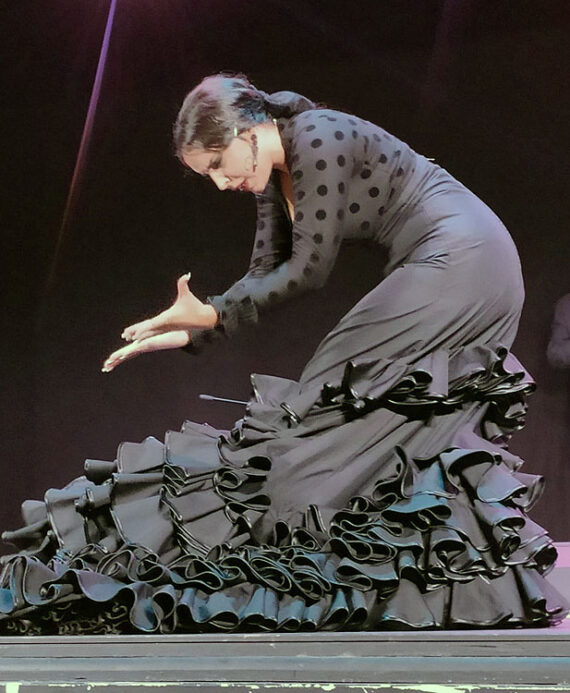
(186, 313)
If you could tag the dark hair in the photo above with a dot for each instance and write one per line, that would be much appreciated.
(223, 106)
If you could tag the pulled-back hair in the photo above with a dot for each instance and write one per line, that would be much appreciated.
(223, 106)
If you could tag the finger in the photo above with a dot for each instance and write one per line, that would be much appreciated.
(141, 330)
(182, 284)
(121, 355)
(146, 333)
(168, 340)
(129, 332)
(111, 363)
(146, 328)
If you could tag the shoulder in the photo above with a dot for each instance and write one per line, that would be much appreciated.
(324, 123)
(318, 138)
(331, 132)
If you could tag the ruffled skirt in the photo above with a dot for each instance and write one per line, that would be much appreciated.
(384, 499)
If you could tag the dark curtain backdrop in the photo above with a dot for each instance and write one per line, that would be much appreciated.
(480, 86)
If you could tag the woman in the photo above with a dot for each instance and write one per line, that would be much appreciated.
(376, 492)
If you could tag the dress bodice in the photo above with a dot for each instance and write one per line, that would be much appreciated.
(351, 179)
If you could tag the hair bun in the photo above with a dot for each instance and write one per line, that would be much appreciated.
(284, 104)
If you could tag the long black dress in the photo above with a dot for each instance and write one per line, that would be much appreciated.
(376, 492)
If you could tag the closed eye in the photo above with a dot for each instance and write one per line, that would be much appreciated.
(215, 163)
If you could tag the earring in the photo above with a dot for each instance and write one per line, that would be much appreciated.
(254, 149)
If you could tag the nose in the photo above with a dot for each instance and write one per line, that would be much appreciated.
(220, 180)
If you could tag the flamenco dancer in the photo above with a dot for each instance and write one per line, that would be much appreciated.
(376, 492)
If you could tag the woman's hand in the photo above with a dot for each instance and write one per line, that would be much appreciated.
(186, 313)
(166, 340)
(167, 330)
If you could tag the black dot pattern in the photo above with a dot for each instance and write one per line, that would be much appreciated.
(346, 176)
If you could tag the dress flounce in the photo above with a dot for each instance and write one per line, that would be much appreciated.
(385, 500)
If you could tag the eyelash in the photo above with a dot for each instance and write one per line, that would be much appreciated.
(216, 163)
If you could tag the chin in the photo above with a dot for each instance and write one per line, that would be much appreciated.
(259, 187)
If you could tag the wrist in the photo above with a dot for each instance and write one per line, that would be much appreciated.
(209, 316)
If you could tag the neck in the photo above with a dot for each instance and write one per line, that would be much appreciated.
(268, 134)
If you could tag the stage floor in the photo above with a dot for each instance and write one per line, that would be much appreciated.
(430, 661)
(462, 661)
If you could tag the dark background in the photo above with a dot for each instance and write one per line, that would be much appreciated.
(480, 86)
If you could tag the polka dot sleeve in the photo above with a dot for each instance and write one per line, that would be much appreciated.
(289, 259)
(272, 244)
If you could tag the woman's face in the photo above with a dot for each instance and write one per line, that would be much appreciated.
(237, 167)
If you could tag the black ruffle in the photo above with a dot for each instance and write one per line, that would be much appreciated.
(386, 500)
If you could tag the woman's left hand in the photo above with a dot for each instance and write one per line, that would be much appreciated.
(167, 340)
(170, 329)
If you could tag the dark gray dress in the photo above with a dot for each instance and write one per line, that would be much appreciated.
(377, 491)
